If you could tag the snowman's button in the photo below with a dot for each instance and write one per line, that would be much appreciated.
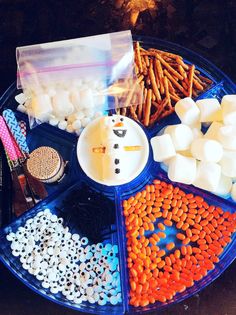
(117, 161)
(117, 171)
(116, 146)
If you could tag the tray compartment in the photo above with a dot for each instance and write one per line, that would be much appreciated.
(54, 202)
(226, 258)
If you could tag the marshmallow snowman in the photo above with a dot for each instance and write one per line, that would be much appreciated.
(113, 131)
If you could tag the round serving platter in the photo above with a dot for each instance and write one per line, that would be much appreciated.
(66, 144)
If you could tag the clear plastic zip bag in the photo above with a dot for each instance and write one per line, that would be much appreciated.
(68, 83)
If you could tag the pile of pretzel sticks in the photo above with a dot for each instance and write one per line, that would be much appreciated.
(164, 79)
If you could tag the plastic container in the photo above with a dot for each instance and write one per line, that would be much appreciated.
(65, 143)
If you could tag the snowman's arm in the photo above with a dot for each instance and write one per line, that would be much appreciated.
(126, 148)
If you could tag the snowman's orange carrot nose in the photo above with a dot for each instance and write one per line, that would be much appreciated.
(119, 124)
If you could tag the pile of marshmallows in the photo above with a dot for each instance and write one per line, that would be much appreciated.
(207, 161)
(69, 108)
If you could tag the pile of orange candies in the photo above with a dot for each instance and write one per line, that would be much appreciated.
(203, 230)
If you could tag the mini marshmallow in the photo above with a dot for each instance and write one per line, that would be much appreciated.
(208, 176)
(41, 107)
(197, 133)
(76, 124)
(182, 169)
(21, 108)
(212, 131)
(206, 150)
(227, 137)
(163, 148)
(85, 121)
(75, 98)
(62, 125)
(187, 111)
(224, 186)
(228, 104)
(86, 98)
(53, 121)
(228, 163)
(62, 106)
(233, 192)
(20, 98)
(181, 136)
(210, 110)
(70, 128)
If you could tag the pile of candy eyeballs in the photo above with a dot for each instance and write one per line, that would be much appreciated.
(207, 161)
(69, 108)
(65, 263)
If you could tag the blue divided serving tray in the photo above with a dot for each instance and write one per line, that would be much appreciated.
(65, 143)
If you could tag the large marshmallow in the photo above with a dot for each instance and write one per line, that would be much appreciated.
(208, 176)
(207, 150)
(163, 148)
(224, 185)
(228, 105)
(187, 111)
(181, 136)
(182, 169)
(41, 107)
(233, 192)
(227, 137)
(228, 163)
(210, 110)
(212, 131)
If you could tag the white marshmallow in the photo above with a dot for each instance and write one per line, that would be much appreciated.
(53, 121)
(62, 125)
(212, 131)
(21, 108)
(70, 128)
(76, 124)
(41, 107)
(85, 121)
(181, 136)
(228, 105)
(227, 137)
(75, 98)
(20, 98)
(86, 98)
(210, 110)
(62, 106)
(163, 148)
(197, 133)
(182, 169)
(224, 186)
(228, 163)
(207, 150)
(208, 175)
(233, 192)
(187, 111)
(89, 112)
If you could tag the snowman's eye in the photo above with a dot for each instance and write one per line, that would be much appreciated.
(122, 119)
(113, 120)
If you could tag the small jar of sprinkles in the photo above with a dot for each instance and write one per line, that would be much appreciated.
(46, 165)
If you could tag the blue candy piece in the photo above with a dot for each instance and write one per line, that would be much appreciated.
(104, 252)
(108, 247)
(115, 249)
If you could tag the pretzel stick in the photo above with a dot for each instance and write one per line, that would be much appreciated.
(197, 85)
(144, 101)
(140, 78)
(181, 70)
(191, 74)
(153, 82)
(180, 62)
(172, 70)
(158, 112)
(161, 52)
(140, 101)
(175, 82)
(205, 79)
(123, 111)
(175, 98)
(148, 108)
(167, 90)
(137, 46)
(147, 61)
(133, 112)
(159, 70)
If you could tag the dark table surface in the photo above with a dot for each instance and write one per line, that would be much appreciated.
(207, 27)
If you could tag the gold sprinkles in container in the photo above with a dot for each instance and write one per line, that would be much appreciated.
(46, 164)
